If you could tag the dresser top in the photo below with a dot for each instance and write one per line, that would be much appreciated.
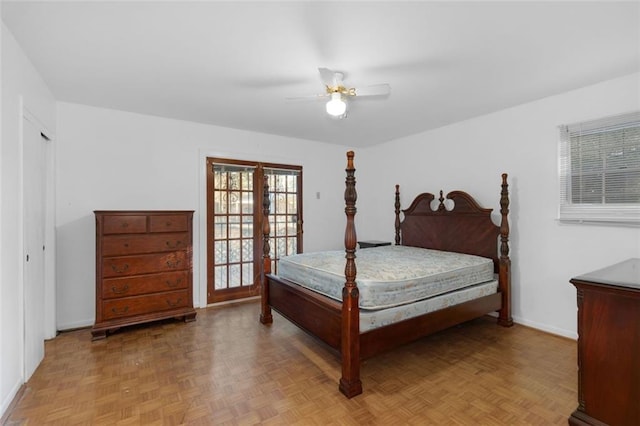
(141, 212)
(623, 274)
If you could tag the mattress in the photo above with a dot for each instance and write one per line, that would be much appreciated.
(388, 276)
(370, 320)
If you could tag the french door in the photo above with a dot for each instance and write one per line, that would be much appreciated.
(234, 223)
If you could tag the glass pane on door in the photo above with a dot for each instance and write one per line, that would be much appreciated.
(285, 218)
(233, 232)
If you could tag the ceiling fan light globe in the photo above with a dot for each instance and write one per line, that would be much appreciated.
(336, 107)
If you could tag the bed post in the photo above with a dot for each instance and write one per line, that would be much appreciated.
(504, 274)
(265, 309)
(397, 206)
(350, 384)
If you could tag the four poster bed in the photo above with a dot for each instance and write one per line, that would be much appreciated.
(362, 318)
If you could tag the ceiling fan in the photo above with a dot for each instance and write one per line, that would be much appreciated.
(338, 93)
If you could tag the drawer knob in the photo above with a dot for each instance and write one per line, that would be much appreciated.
(173, 304)
(120, 311)
(172, 244)
(120, 290)
(120, 270)
(173, 284)
(173, 264)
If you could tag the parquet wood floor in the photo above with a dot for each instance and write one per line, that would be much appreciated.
(228, 369)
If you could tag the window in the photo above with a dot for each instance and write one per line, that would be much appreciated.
(600, 170)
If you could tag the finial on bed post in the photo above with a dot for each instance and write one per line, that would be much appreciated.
(397, 206)
(441, 207)
(350, 384)
(504, 316)
(265, 311)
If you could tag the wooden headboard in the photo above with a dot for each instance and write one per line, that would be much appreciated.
(466, 228)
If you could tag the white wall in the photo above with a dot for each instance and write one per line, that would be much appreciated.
(21, 85)
(116, 160)
(521, 141)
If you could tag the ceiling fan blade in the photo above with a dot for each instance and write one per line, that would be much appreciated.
(269, 83)
(327, 77)
(320, 96)
(374, 90)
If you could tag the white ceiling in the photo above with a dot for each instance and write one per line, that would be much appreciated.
(233, 64)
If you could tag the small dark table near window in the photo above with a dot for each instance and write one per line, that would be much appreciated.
(373, 243)
(609, 346)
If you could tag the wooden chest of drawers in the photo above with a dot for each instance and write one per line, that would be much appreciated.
(609, 346)
(143, 268)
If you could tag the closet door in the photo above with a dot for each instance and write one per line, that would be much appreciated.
(34, 172)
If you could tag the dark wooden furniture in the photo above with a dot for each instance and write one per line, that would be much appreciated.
(609, 346)
(373, 243)
(143, 268)
(467, 228)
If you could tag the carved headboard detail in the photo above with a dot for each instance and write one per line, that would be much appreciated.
(465, 228)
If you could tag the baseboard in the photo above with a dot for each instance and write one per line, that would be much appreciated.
(546, 328)
(75, 325)
(10, 401)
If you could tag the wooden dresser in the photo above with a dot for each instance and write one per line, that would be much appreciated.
(609, 346)
(143, 268)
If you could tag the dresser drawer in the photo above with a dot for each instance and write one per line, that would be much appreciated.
(145, 284)
(168, 223)
(122, 266)
(134, 224)
(113, 245)
(139, 305)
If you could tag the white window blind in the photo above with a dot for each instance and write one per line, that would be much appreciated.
(600, 170)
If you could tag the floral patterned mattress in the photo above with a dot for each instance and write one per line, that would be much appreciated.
(391, 276)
